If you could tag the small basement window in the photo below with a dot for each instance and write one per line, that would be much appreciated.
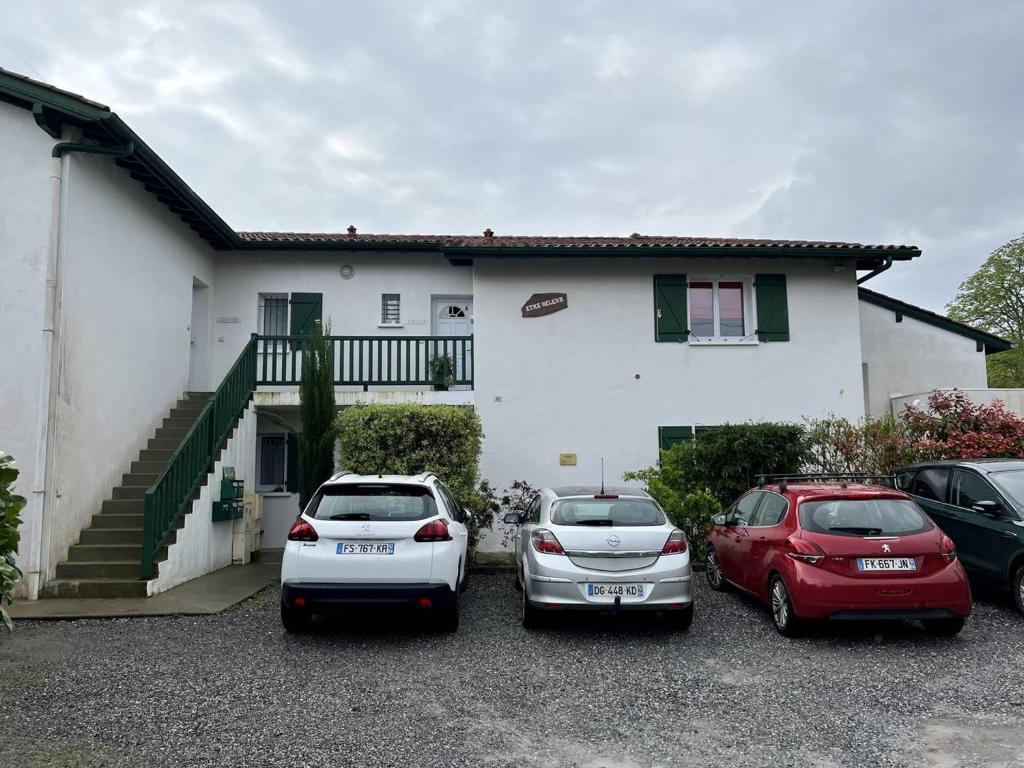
(390, 309)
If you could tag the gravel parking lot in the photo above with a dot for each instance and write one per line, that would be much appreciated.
(234, 689)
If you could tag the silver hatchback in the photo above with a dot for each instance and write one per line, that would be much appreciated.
(601, 549)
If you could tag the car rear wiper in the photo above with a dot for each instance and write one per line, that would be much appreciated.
(596, 521)
(855, 529)
(351, 516)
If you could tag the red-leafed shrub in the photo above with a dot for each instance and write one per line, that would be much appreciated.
(955, 427)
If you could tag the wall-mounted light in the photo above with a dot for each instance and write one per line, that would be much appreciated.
(347, 271)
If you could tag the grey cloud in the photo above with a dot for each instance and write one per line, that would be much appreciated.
(870, 121)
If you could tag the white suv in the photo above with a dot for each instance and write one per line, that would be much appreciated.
(386, 540)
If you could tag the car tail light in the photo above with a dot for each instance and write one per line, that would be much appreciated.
(545, 541)
(676, 543)
(948, 549)
(302, 531)
(435, 530)
(805, 551)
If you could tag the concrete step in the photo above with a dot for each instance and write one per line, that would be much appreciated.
(113, 520)
(144, 479)
(122, 507)
(167, 443)
(127, 492)
(176, 433)
(110, 536)
(153, 468)
(172, 423)
(85, 553)
(95, 588)
(198, 396)
(117, 569)
(187, 408)
(156, 454)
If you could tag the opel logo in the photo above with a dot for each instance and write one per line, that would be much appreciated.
(886, 548)
(614, 541)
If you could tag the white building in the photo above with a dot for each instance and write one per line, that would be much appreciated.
(123, 291)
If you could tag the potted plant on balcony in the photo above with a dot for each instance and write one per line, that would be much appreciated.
(442, 368)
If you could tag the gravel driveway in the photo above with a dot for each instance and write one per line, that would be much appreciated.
(235, 690)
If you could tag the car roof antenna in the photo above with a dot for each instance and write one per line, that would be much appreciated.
(602, 475)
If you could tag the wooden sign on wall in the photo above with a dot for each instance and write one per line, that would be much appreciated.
(541, 304)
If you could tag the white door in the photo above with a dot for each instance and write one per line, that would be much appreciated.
(196, 330)
(453, 316)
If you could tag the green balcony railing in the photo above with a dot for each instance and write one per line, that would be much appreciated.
(371, 361)
(169, 497)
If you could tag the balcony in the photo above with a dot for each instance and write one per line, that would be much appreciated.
(371, 368)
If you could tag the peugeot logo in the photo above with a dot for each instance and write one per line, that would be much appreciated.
(886, 548)
(614, 541)
(365, 529)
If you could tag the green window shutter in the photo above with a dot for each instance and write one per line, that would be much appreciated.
(669, 436)
(307, 310)
(292, 464)
(671, 322)
(772, 309)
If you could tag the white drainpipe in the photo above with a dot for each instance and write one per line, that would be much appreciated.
(43, 495)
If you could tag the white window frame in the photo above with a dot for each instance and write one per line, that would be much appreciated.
(382, 323)
(749, 310)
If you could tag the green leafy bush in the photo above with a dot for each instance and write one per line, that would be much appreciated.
(10, 518)
(409, 439)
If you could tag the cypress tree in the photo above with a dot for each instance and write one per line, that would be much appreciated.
(317, 412)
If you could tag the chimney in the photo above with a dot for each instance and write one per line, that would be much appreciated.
(351, 229)
(489, 233)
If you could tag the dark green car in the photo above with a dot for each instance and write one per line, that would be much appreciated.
(979, 504)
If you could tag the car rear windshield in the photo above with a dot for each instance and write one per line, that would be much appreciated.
(863, 517)
(1011, 483)
(609, 512)
(369, 501)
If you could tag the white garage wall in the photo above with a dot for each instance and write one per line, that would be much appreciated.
(591, 380)
(352, 306)
(911, 356)
(25, 217)
(128, 266)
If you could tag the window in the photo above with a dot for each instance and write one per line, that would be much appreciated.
(273, 314)
(863, 517)
(969, 489)
(455, 512)
(272, 462)
(669, 436)
(533, 514)
(743, 512)
(390, 309)
(930, 484)
(607, 512)
(719, 309)
(373, 501)
(771, 511)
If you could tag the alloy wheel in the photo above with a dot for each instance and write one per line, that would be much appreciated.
(714, 572)
(780, 604)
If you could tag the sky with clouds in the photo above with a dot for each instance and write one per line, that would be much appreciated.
(895, 122)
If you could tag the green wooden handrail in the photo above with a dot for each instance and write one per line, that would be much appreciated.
(169, 497)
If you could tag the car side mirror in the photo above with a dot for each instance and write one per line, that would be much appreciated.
(513, 518)
(990, 508)
(719, 520)
(466, 516)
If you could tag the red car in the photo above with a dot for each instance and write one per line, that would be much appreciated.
(838, 551)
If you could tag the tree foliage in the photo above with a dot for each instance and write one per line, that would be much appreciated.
(317, 411)
(993, 299)
(10, 518)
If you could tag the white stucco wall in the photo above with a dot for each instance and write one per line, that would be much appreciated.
(591, 380)
(352, 306)
(203, 546)
(911, 356)
(128, 266)
(25, 218)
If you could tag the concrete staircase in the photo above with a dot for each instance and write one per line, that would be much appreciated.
(107, 559)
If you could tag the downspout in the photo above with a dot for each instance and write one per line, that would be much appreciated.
(885, 265)
(43, 494)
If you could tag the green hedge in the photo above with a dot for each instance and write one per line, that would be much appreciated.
(409, 439)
